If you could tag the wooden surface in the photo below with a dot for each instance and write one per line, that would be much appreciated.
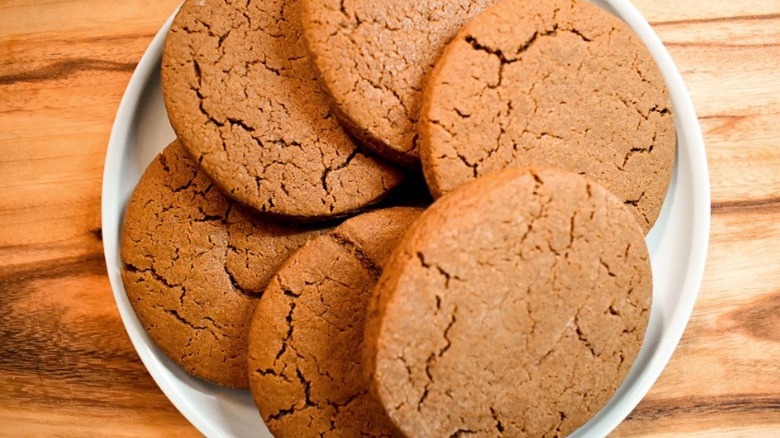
(67, 367)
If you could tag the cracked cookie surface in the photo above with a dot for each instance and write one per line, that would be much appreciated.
(307, 333)
(557, 83)
(194, 264)
(244, 101)
(373, 59)
(514, 306)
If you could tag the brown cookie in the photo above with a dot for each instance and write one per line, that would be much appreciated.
(373, 59)
(557, 83)
(243, 99)
(514, 306)
(306, 337)
(194, 263)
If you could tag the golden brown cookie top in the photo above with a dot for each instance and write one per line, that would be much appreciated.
(514, 306)
(557, 83)
(373, 59)
(194, 262)
(307, 334)
(243, 100)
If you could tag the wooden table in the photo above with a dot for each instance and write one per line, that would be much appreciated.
(67, 367)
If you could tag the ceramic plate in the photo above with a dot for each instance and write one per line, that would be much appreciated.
(677, 244)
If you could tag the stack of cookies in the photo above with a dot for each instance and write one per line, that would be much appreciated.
(288, 240)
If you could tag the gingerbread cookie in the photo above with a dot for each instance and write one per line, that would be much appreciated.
(243, 100)
(514, 306)
(373, 58)
(557, 83)
(306, 337)
(194, 264)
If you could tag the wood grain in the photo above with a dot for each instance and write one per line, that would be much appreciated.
(67, 367)
(724, 378)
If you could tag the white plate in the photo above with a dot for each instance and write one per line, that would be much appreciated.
(677, 244)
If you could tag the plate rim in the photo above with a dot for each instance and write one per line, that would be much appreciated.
(120, 130)
(701, 210)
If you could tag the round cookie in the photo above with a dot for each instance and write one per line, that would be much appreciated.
(307, 333)
(514, 306)
(555, 83)
(373, 59)
(194, 264)
(244, 102)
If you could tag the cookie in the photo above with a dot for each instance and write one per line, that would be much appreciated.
(373, 59)
(514, 306)
(243, 100)
(307, 334)
(194, 264)
(558, 83)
